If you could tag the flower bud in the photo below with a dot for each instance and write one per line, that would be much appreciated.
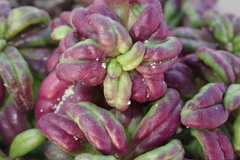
(60, 32)
(117, 91)
(62, 131)
(17, 77)
(205, 109)
(26, 142)
(102, 130)
(158, 125)
(215, 144)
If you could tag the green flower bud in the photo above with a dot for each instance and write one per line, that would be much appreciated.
(60, 32)
(173, 150)
(232, 97)
(25, 142)
(133, 57)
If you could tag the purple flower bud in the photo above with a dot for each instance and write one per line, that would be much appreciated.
(158, 125)
(12, 123)
(80, 16)
(215, 144)
(205, 110)
(146, 87)
(112, 36)
(17, 77)
(99, 126)
(83, 64)
(62, 131)
(162, 50)
(154, 68)
(147, 20)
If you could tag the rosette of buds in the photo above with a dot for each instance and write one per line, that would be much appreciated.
(22, 29)
(124, 45)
